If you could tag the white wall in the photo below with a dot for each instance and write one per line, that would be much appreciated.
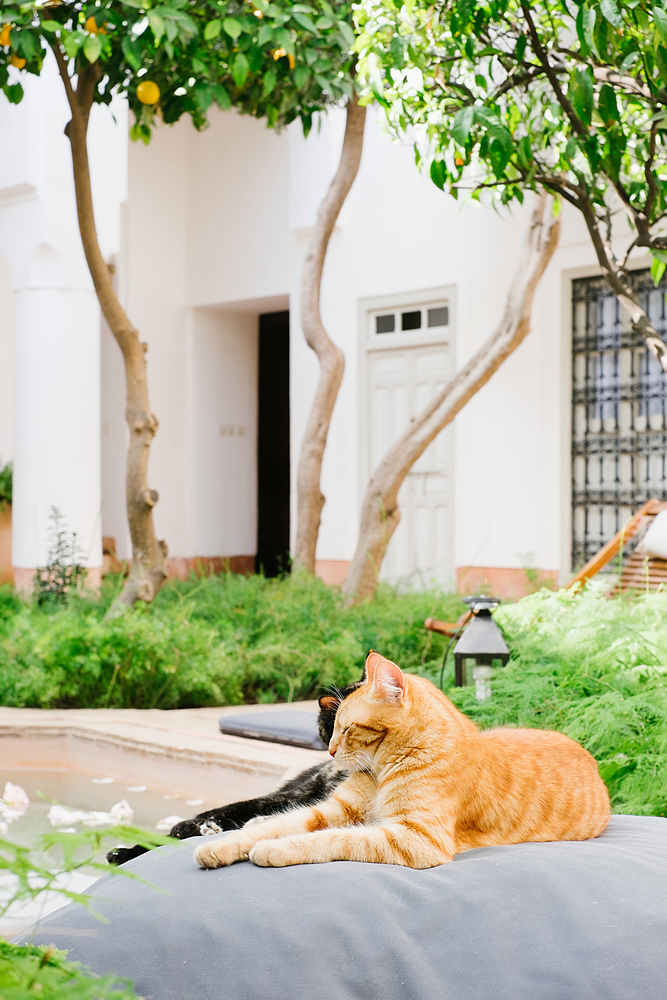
(7, 322)
(56, 322)
(220, 221)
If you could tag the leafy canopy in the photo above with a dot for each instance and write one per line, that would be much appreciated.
(279, 60)
(509, 96)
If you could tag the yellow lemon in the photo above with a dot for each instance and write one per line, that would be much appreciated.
(92, 28)
(278, 54)
(4, 34)
(17, 61)
(291, 60)
(148, 92)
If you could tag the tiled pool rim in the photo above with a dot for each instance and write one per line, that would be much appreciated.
(175, 751)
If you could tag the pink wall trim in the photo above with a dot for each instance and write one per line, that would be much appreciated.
(180, 567)
(332, 571)
(23, 580)
(499, 581)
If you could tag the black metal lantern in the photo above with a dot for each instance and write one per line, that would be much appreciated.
(482, 642)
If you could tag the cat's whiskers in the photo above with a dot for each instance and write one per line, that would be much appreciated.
(367, 764)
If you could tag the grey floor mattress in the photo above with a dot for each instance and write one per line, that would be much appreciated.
(582, 921)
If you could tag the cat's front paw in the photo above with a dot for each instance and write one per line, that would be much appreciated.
(218, 853)
(276, 854)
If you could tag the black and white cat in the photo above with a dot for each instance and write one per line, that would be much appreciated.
(313, 785)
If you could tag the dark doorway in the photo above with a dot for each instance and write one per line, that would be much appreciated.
(273, 445)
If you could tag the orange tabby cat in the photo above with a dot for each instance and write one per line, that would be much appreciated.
(426, 784)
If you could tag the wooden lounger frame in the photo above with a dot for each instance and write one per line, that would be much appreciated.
(639, 571)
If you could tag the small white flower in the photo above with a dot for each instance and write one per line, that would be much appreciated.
(16, 798)
(61, 816)
(95, 818)
(122, 812)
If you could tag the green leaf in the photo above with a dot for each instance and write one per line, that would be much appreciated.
(657, 270)
(203, 95)
(92, 48)
(14, 93)
(520, 48)
(240, 69)
(660, 19)
(347, 33)
(494, 127)
(270, 80)
(157, 25)
(51, 26)
(611, 12)
(607, 105)
(581, 95)
(301, 76)
(397, 51)
(661, 60)
(265, 33)
(232, 27)
(305, 22)
(212, 30)
(464, 9)
(26, 45)
(439, 173)
(462, 125)
(132, 51)
(72, 43)
(221, 96)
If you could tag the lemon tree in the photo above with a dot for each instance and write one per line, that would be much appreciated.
(278, 61)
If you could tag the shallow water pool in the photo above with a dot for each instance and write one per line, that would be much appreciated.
(83, 791)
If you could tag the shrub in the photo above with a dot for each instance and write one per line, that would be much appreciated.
(284, 639)
(71, 659)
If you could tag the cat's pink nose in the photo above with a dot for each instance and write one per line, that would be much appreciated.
(332, 752)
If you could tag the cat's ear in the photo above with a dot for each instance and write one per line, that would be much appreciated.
(329, 703)
(389, 681)
(371, 663)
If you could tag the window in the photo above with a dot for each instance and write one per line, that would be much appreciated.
(619, 407)
(399, 321)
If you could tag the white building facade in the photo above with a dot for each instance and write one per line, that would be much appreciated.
(207, 232)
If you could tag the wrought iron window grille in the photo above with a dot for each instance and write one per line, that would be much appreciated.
(619, 413)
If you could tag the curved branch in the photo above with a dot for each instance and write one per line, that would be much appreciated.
(380, 514)
(310, 499)
(542, 55)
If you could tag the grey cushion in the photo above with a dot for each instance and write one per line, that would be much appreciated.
(561, 921)
(287, 726)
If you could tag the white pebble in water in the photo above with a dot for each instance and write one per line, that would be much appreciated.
(137, 788)
(167, 823)
(194, 802)
(103, 781)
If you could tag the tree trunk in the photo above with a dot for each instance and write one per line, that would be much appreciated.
(147, 573)
(380, 514)
(310, 499)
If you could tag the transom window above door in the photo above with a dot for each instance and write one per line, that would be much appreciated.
(429, 317)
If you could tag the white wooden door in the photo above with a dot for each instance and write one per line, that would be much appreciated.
(400, 383)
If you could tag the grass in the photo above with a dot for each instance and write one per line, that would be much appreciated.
(592, 667)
